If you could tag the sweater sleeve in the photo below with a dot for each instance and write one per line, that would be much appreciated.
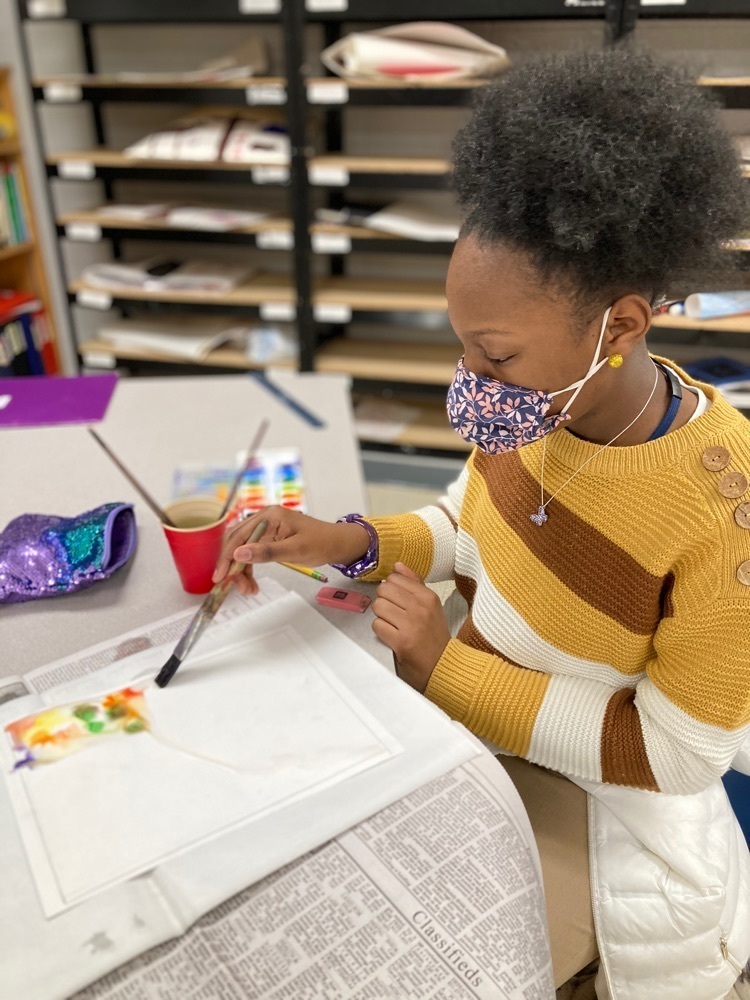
(676, 730)
(424, 540)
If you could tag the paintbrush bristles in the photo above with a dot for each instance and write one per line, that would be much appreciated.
(145, 495)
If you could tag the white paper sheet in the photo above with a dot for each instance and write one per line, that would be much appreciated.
(242, 730)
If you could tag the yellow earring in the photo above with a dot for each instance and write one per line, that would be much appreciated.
(615, 360)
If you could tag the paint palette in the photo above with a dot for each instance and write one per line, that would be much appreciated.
(274, 477)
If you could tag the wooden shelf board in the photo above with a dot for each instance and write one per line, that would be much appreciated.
(389, 361)
(727, 324)
(17, 250)
(155, 82)
(222, 357)
(273, 224)
(724, 81)
(389, 83)
(375, 294)
(262, 288)
(115, 158)
(382, 294)
(117, 222)
(416, 165)
(9, 147)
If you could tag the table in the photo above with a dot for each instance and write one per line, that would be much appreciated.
(153, 425)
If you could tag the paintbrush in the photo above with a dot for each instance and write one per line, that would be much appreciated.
(259, 435)
(145, 495)
(204, 615)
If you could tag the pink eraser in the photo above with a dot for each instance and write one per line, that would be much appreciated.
(347, 600)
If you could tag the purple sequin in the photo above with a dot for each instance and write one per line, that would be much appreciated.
(497, 416)
(42, 555)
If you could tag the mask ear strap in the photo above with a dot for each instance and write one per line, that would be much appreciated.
(596, 364)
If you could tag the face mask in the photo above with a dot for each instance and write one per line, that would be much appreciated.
(497, 416)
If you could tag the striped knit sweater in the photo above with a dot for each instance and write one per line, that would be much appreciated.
(612, 643)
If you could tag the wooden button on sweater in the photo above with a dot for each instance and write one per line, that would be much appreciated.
(742, 515)
(743, 573)
(733, 485)
(716, 458)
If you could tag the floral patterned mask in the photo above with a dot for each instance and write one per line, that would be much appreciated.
(497, 416)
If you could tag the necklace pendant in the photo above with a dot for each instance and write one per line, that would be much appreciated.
(539, 518)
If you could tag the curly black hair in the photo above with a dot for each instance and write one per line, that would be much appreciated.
(610, 170)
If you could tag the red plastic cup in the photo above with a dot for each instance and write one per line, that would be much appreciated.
(196, 541)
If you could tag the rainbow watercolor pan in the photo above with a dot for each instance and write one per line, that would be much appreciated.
(55, 733)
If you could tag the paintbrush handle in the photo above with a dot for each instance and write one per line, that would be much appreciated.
(145, 496)
(234, 488)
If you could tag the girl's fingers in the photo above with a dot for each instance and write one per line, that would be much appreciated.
(390, 613)
(395, 594)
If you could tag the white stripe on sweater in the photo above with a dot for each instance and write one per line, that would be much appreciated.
(567, 732)
(444, 543)
(509, 632)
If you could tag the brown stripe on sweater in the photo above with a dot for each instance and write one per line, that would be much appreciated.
(467, 588)
(624, 757)
(586, 561)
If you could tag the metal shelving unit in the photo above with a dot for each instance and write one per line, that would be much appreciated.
(321, 309)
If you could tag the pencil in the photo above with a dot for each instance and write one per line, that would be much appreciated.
(306, 571)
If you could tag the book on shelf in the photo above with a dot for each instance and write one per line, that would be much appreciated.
(14, 228)
(160, 274)
(25, 342)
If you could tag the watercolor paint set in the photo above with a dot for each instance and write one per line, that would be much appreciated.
(274, 476)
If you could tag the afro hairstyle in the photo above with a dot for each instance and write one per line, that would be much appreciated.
(610, 170)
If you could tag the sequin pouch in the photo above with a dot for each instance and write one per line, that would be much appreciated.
(42, 555)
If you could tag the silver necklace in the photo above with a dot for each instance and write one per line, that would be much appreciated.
(541, 515)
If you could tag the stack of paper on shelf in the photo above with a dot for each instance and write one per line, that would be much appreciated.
(424, 51)
(414, 220)
(211, 219)
(158, 274)
(190, 338)
(256, 137)
(249, 59)
(134, 213)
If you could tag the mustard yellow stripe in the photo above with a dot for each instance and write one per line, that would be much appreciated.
(490, 697)
(550, 608)
(405, 538)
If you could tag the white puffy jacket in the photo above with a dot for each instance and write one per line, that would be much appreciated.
(670, 886)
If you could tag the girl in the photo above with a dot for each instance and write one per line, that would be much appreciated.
(600, 531)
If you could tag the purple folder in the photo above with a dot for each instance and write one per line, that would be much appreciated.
(41, 401)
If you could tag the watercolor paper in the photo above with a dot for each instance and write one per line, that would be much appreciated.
(241, 731)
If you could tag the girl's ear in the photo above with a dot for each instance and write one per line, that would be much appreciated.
(629, 322)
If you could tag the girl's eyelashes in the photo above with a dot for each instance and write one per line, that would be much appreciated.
(500, 361)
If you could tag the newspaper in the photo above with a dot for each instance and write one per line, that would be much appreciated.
(437, 897)
(106, 653)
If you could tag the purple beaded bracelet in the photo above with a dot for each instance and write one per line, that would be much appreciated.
(370, 559)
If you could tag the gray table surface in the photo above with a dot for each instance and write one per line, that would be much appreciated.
(154, 425)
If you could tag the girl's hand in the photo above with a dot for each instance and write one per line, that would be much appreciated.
(289, 537)
(409, 619)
